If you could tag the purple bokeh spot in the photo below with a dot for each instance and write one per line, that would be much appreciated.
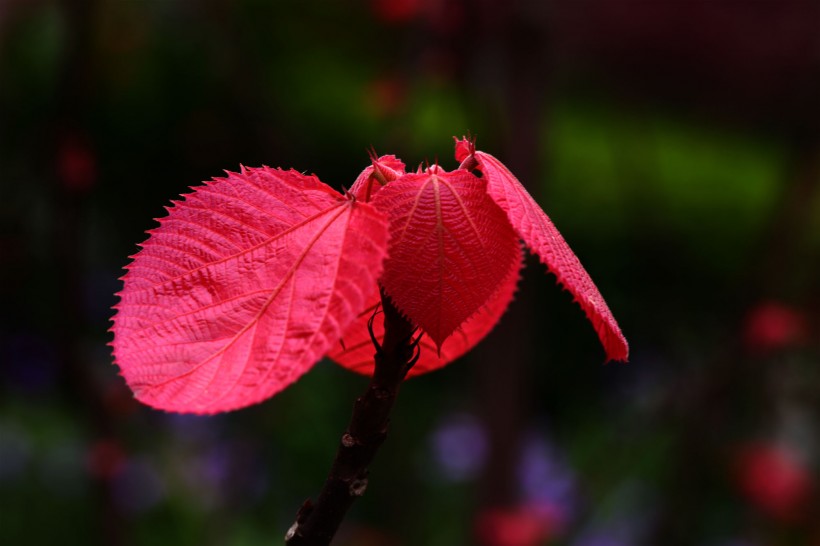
(217, 465)
(459, 447)
(546, 480)
(138, 487)
(197, 429)
(226, 472)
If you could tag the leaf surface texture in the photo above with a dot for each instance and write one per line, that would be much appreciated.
(451, 248)
(244, 286)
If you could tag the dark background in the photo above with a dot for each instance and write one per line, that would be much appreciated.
(675, 144)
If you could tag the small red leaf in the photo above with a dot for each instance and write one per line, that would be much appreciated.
(384, 169)
(242, 288)
(356, 351)
(542, 238)
(464, 148)
(451, 248)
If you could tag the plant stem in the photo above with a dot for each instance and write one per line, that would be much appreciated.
(316, 523)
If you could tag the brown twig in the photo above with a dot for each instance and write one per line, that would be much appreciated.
(316, 523)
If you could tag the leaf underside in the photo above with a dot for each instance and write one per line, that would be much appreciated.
(242, 288)
(543, 239)
(355, 351)
(451, 248)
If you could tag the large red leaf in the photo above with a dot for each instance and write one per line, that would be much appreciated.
(355, 351)
(542, 238)
(242, 288)
(451, 248)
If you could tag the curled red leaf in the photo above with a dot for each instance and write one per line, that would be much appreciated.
(542, 238)
(242, 288)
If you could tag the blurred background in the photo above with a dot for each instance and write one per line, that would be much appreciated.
(675, 144)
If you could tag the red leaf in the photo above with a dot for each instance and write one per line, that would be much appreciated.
(464, 148)
(542, 238)
(242, 288)
(384, 169)
(356, 350)
(451, 248)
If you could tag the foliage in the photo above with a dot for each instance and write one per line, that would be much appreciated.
(251, 279)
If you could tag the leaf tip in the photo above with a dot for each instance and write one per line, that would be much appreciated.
(618, 349)
(371, 153)
(465, 147)
(386, 169)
